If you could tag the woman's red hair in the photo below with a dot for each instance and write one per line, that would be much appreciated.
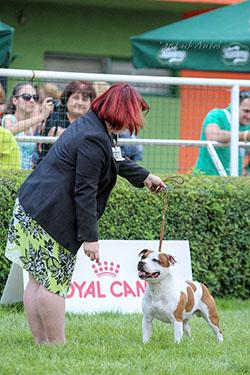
(121, 105)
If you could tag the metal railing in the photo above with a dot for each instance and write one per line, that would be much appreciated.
(234, 84)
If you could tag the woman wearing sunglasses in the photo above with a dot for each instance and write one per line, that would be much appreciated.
(21, 117)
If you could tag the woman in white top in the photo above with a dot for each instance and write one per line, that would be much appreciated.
(23, 117)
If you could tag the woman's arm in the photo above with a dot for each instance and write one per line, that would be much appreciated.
(20, 126)
(139, 176)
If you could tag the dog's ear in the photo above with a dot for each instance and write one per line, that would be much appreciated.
(166, 260)
(171, 259)
(143, 252)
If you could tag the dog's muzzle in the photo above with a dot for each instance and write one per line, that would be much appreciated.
(143, 274)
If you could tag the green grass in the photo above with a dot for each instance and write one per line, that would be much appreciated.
(111, 343)
(163, 123)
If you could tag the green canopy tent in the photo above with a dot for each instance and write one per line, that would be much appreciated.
(6, 38)
(218, 40)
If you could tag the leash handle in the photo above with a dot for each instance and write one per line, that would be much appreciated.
(179, 180)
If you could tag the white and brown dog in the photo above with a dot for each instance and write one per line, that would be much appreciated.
(172, 300)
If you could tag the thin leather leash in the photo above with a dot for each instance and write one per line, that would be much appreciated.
(179, 180)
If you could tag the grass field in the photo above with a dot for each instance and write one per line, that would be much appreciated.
(163, 123)
(111, 344)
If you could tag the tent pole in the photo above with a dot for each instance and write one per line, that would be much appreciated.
(234, 155)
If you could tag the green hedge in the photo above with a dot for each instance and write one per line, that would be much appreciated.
(9, 184)
(212, 213)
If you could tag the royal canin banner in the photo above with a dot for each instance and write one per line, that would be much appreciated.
(110, 285)
(113, 283)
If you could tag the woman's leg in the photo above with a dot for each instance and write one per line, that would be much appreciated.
(30, 307)
(45, 313)
(51, 308)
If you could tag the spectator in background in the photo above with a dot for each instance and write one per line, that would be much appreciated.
(48, 90)
(2, 100)
(9, 150)
(246, 164)
(217, 127)
(75, 101)
(22, 119)
(134, 152)
(100, 87)
(51, 91)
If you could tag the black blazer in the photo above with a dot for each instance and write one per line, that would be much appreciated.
(69, 189)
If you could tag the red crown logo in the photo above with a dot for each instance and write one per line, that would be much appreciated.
(106, 269)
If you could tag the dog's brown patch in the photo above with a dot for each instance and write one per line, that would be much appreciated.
(164, 260)
(192, 285)
(209, 301)
(180, 307)
(145, 253)
(190, 299)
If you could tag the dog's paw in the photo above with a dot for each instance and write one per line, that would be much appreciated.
(220, 337)
(187, 329)
(177, 341)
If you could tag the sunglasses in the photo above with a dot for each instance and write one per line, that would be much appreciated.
(27, 97)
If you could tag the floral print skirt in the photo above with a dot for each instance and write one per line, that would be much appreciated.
(32, 248)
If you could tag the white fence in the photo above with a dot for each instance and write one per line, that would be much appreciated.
(232, 84)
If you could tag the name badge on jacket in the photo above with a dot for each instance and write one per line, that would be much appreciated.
(117, 154)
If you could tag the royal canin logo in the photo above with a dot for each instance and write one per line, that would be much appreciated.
(102, 288)
(106, 269)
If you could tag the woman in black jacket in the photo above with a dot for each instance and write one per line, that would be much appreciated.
(61, 201)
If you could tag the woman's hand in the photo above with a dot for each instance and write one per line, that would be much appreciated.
(58, 132)
(91, 249)
(47, 107)
(154, 184)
